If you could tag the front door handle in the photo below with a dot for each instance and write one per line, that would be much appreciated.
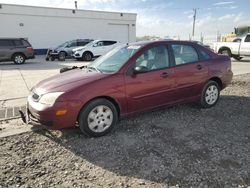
(164, 75)
(199, 67)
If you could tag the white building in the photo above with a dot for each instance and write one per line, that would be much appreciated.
(48, 27)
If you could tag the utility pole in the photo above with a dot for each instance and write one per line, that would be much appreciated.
(75, 4)
(195, 9)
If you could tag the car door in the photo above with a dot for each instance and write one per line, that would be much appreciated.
(154, 85)
(6, 49)
(98, 48)
(190, 71)
(245, 47)
(109, 45)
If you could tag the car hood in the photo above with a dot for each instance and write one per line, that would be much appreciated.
(67, 81)
(79, 48)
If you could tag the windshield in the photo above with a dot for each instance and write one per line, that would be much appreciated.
(115, 59)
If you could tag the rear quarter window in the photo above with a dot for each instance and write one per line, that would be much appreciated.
(26, 43)
(108, 43)
(204, 55)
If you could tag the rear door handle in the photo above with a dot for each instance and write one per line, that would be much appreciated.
(164, 75)
(199, 67)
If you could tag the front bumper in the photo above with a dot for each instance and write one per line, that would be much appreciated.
(45, 115)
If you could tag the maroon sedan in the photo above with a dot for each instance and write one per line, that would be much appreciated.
(129, 79)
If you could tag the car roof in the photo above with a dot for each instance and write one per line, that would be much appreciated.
(3, 38)
(145, 43)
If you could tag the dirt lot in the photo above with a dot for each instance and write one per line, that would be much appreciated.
(181, 146)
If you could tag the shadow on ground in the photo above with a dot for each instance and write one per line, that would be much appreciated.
(182, 145)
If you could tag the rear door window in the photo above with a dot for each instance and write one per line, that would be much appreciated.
(17, 42)
(4, 43)
(184, 54)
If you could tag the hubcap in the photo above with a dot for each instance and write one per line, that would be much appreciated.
(19, 59)
(88, 56)
(211, 94)
(100, 118)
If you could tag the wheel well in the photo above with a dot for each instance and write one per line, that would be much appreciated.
(224, 48)
(88, 52)
(64, 52)
(110, 99)
(12, 57)
(218, 80)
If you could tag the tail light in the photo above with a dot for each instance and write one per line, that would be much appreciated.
(29, 49)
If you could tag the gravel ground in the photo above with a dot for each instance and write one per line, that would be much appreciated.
(181, 146)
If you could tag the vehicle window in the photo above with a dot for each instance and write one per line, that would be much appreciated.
(17, 42)
(71, 44)
(26, 43)
(82, 43)
(6, 43)
(100, 43)
(184, 54)
(153, 59)
(108, 43)
(113, 60)
(247, 39)
(204, 55)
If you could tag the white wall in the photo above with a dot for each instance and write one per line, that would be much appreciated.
(48, 27)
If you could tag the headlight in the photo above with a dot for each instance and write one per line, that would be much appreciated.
(49, 98)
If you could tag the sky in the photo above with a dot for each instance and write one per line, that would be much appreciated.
(166, 17)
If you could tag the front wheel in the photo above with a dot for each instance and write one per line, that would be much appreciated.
(98, 117)
(210, 94)
(87, 56)
(62, 56)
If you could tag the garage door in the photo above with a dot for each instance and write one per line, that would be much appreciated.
(119, 32)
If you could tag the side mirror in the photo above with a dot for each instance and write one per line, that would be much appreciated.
(139, 69)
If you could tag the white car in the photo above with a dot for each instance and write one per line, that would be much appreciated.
(239, 48)
(94, 49)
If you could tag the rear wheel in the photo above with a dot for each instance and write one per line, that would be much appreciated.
(98, 117)
(225, 52)
(210, 94)
(19, 58)
(87, 56)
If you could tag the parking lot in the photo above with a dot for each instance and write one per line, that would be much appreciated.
(24, 77)
(181, 146)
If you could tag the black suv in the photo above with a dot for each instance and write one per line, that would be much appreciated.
(16, 50)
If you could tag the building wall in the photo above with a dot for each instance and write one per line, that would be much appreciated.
(49, 27)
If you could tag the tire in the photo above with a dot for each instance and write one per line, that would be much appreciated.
(87, 56)
(52, 59)
(18, 59)
(225, 52)
(210, 94)
(92, 120)
(237, 58)
(61, 56)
